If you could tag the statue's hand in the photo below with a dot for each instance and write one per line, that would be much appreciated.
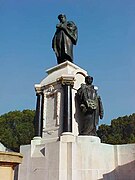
(83, 108)
(101, 116)
(61, 26)
(64, 26)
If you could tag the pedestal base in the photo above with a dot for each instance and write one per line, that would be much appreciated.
(77, 158)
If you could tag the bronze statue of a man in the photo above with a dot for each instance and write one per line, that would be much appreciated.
(64, 39)
(90, 105)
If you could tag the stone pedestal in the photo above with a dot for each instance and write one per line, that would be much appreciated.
(56, 111)
(57, 152)
(8, 161)
(77, 158)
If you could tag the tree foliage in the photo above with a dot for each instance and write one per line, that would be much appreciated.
(16, 128)
(121, 131)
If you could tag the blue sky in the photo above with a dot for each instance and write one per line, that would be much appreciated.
(106, 49)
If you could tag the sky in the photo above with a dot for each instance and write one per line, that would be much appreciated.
(105, 49)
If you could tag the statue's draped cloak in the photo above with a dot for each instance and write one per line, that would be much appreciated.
(90, 118)
(63, 41)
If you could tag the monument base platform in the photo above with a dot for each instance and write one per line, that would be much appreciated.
(76, 158)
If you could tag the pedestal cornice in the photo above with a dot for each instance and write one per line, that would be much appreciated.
(10, 158)
(66, 80)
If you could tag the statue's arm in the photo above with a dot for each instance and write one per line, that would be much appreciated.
(71, 30)
(54, 44)
(73, 34)
(101, 110)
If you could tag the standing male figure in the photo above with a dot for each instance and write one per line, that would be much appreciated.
(64, 39)
(91, 107)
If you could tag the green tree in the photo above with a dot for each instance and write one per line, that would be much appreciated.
(121, 131)
(16, 128)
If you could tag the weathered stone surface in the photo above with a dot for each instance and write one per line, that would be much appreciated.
(78, 157)
(62, 155)
(51, 86)
(8, 161)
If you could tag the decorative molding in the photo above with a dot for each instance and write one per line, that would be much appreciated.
(51, 92)
(38, 88)
(44, 110)
(66, 80)
(58, 98)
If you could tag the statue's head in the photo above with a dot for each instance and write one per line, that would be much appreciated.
(88, 80)
(62, 18)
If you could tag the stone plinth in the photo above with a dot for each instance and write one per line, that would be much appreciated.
(88, 139)
(77, 158)
(8, 161)
(61, 154)
(63, 77)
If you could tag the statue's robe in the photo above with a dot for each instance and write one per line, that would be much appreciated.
(90, 117)
(63, 41)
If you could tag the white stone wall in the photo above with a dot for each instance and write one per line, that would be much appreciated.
(77, 158)
(54, 98)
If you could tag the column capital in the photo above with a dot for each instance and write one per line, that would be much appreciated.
(67, 80)
(38, 88)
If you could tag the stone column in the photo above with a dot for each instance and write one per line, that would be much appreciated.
(8, 161)
(67, 84)
(39, 112)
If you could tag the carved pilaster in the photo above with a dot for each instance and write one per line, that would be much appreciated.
(39, 111)
(67, 84)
